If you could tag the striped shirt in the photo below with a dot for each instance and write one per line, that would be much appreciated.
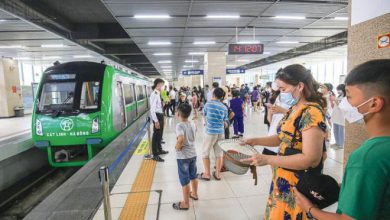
(216, 114)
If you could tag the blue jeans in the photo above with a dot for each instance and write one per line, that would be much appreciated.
(338, 131)
(187, 170)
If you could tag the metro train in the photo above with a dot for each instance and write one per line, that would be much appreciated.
(81, 107)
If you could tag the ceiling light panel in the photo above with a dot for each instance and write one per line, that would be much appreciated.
(204, 42)
(290, 17)
(223, 16)
(162, 54)
(165, 61)
(157, 43)
(152, 16)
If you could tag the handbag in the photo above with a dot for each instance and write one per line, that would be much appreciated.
(322, 190)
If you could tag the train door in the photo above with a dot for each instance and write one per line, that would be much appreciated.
(122, 106)
(147, 96)
(135, 99)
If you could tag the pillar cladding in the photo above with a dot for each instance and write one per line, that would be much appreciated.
(215, 68)
(362, 47)
(10, 90)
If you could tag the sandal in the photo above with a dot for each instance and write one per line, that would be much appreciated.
(200, 176)
(193, 197)
(215, 176)
(176, 206)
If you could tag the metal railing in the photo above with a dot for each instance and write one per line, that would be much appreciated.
(105, 171)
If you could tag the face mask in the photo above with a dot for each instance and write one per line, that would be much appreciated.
(351, 113)
(290, 100)
(339, 93)
(286, 99)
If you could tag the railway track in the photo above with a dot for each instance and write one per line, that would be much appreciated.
(17, 201)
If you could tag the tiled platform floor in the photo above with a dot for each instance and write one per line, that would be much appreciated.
(234, 197)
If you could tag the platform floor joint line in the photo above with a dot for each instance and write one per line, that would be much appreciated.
(137, 201)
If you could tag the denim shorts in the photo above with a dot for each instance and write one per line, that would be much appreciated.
(187, 170)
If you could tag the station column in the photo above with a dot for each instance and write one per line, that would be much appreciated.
(369, 20)
(10, 90)
(215, 68)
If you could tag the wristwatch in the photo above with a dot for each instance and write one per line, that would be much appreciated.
(309, 215)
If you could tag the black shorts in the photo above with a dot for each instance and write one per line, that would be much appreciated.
(268, 152)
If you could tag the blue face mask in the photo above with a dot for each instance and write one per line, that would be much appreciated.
(288, 98)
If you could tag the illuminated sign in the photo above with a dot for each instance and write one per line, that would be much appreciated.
(235, 71)
(246, 48)
(192, 72)
(61, 76)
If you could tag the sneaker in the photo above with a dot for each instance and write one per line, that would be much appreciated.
(158, 159)
(235, 137)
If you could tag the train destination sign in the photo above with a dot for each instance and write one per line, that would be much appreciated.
(246, 48)
(192, 72)
(235, 71)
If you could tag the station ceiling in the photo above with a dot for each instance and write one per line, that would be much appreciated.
(124, 30)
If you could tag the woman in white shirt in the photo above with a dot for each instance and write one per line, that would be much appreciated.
(338, 118)
(276, 109)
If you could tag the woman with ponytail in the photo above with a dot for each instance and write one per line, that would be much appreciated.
(300, 138)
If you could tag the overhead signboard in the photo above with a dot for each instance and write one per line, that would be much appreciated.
(235, 71)
(246, 48)
(192, 72)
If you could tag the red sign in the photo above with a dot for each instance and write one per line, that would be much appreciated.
(246, 48)
(384, 41)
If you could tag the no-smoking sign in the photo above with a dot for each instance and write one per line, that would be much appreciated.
(384, 41)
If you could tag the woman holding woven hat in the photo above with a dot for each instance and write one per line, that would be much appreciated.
(301, 135)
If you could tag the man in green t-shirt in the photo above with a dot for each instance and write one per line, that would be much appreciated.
(365, 191)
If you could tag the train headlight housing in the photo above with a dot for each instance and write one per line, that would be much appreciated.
(95, 125)
(38, 128)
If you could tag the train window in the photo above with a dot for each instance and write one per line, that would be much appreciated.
(57, 96)
(129, 93)
(140, 93)
(90, 95)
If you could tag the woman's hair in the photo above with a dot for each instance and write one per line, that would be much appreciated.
(341, 87)
(235, 93)
(296, 73)
(156, 82)
(274, 95)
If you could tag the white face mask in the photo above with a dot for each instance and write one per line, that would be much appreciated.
(352, 113)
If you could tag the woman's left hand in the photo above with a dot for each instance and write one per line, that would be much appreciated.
(302, 201)
(257, 160)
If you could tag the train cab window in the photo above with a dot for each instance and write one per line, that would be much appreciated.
(57, 96)
(90, 95)
(140, 93)
(129, 93)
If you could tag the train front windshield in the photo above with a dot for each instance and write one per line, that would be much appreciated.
(69, 95)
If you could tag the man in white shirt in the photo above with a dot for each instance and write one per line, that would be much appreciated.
(172, 96)
(157, 115)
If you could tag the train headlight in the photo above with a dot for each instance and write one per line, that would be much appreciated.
(38, 128)
(95, 125)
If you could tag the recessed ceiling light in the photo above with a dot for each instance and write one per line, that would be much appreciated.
(162, 54)
(223, 16)
(287, 42)
(249, 42)
(191, 61)
(341, 18)
(243, 60)
(82, 56)
(166, 66)
(11, 47)
(267, 53)
(187, 66)
(2, 20)
(231, 65)
(51, 57)
(52, 45)
(204, 42)
(196, 53)
(159, 43)
(165, 61)
(151, 16)
(290, 17)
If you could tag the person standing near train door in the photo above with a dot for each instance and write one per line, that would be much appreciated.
(157, 115)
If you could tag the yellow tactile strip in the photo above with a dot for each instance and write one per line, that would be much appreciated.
(138, 198)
